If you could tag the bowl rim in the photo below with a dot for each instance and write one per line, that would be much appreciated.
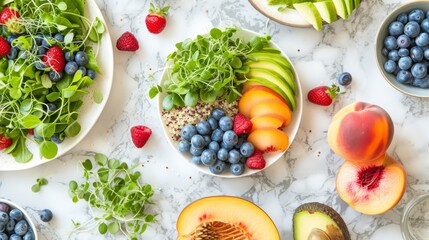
(378, 48)
(26, 215)
(406, 235)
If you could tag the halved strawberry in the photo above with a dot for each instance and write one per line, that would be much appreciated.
(5, 142)
(54, 59)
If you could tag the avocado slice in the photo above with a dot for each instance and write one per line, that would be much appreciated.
(318, 221)
(327, 11)
(357, 2)
(341, 8)
(350, 6)
(272, 56)
(310, 13)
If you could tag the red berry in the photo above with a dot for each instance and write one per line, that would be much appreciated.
(6, 14)
(127, 42)
(323, 95)
(4, 47)
(155, 20)
(140, 134)
(242, 124)
(54, 59)
(256, 161)
(5, 142)
(31, 131)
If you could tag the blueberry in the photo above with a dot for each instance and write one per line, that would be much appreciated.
(230, 138)
(214, 146)
(83, 69)
(197, 160)
(203, 127)
(2, 227)
(4, 207)
(218, 168)
(393, 55)
(16, 214)
(207, 139)
(421, 82)
(46, 215)
(15, 237)
(412, 29)
(4, 217)
(10, 38)
(422, 40)
(59, 37)
(188, 132)
(208, 157)
(196, 151)
(226, 146)
(416, 15)
(55, 77)
(384, 51)
(56, 138)
(234, 156)
(13, 53)
(41, 50)
(197, 141)
(226, 123)
(404, 77)
(91, 74)
(71, 68)
(40, 65)
(390, 66)
(3, 236)
(69, 56)
(345, 78)
(28, 236)
(218, 113)
(45, 41)
(426, 54)
(10, 226)
(81, 58)
(390, 43)
(184, 146)
(405, 63)
(217, 135)
(416, 54)
(403, 52)
(403, 18)
(396, 28)
(222, 154)
(39, 38)
(236, 169)
(241, 139)
(419, 70)
(21, 227)
(403, 41)
(213, 123)
(247, 149)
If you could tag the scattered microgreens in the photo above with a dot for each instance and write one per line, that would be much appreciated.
(116, 193)
(205, 68)
(39, 183)
(25, 92)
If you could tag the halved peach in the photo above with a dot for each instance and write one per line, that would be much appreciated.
(225, 217)
(266, 121)
(256, 95)
(372, 189)
(272, 108)
(269, 139)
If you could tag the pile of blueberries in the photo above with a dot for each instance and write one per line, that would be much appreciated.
(13, 225)
(213, 143)
(407, 48)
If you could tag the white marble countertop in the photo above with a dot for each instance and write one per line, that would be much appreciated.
(307, 171)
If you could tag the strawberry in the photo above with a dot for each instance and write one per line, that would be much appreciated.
(242, 124)
(5, 142)
(4, 47)
(140, 134)
(323, 95)
(155, 20)
(256, 160)
(54, 59)
(7, 14)
(127, 42)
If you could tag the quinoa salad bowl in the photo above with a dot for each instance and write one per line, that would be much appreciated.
(177, 117)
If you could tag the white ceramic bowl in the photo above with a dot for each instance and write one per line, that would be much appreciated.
(271, 158)
(26, 215)
(382, 33)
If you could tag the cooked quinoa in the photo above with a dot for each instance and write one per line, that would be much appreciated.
(178, 117)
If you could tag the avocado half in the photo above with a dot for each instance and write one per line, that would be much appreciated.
(314, 220)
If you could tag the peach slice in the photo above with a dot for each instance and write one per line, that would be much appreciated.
(225, 217)
(372, 189)
(265, 121)
(256, 95)
(272, 108)
(269, 140)
(248, 85)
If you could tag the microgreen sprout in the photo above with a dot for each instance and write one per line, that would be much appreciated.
(39, 183)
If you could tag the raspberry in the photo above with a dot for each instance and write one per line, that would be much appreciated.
(242, 124)
(256, 161)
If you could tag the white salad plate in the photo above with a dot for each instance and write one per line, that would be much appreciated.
(288, 17)
(270, 158)
(89, 112)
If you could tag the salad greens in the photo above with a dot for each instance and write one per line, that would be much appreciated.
(205, 68)
(26, 92)
(116, 193)
(38, 185)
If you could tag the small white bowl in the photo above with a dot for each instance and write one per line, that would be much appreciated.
(26, 215)
(415, 219)
(270, 158)
(382, 33)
